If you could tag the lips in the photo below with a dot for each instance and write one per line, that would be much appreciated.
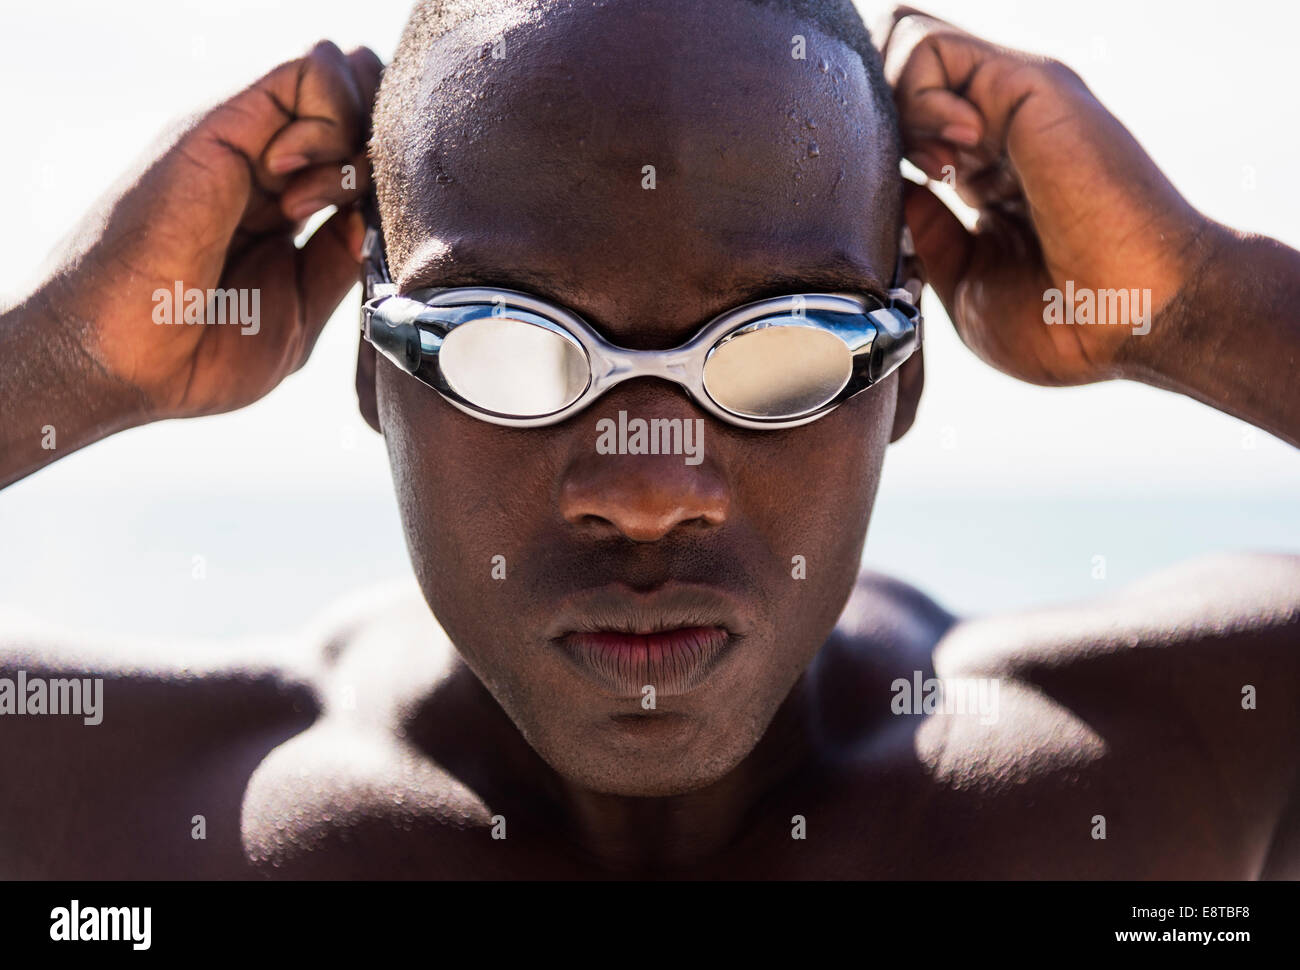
(670, 639)
(673, 661)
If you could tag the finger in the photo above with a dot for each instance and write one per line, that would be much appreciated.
(887, 22)
(947, 80)
(913, 31)
(935, 158)
(942, 243)
(367, 71)
(329, 116)
(303, 112)
(991, 186)
(928, 107)
(327, 270)
(937, 113)
(325, 185)
(314, 189)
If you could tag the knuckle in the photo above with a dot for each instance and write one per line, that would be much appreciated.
(275, 78)
(325, 50)
(1058, 72)
(1022, 71)
(364, 55)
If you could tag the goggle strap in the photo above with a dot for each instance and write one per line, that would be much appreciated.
(905, 290)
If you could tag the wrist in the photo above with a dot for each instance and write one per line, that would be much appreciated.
(63, 378)
(1186, 332)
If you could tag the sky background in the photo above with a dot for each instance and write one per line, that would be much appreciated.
(1000, 497)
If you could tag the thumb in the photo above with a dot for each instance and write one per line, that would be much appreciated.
(942, 243)
(328, 268)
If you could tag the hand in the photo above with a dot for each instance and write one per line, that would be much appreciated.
(218, 208)
(1064, 194)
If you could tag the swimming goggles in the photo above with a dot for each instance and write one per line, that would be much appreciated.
(516, 360)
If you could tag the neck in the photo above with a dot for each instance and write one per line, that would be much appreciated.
(616, 833)
(679, 832)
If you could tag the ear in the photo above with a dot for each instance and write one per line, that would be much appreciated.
(366, 384)
(911, 379)
(911, 376)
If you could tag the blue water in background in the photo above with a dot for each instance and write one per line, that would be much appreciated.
(271, 564)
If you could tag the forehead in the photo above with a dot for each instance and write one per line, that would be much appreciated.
(620, 158)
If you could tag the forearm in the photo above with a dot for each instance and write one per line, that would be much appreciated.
(1231, 339)
(54, 397)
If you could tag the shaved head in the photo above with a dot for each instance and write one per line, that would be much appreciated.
(423, 94)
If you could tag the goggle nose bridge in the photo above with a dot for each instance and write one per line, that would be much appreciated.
(611, 365)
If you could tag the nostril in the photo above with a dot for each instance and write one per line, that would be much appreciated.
(642, 499)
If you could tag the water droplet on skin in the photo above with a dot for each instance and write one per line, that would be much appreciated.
(811, 123)
(792, 115)
(823, 66)
(813, 150)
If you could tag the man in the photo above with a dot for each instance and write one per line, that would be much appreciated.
(648, 168)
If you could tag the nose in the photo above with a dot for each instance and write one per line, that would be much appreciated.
(613, 486)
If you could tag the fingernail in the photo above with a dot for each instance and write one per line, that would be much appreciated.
(301, 210)
(961, 135)
(286, 163)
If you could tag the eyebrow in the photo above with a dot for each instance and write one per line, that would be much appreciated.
(452, 268)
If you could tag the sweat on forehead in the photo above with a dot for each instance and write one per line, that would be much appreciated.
(751, 119)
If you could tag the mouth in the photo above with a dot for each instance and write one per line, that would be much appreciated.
(625, 641)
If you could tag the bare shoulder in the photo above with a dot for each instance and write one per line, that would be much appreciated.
(131, 752)
(1218, 599)
(888, 613)
(1169, 710)
(1208, 606)
(1213, 643)
(886, 629)
(361, 794)
(1175, 700)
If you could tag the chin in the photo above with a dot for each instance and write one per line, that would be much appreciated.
(649, 767)
(659, 784)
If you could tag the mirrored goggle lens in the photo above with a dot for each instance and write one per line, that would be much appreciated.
(778, 371)
(513, 367)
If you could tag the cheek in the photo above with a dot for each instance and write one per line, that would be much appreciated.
(816, 498)
(468, 491)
